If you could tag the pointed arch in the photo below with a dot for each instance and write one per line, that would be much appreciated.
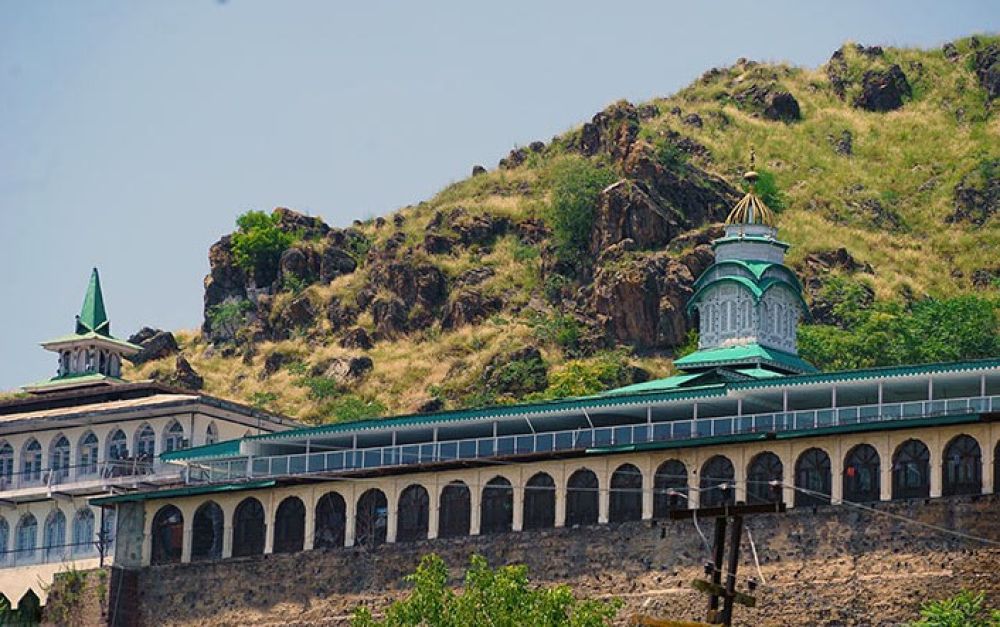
(331, 521)
(456, 510)
(249, 528)
(117, 446)
(413, 514)
(290, 526)
(764, 475)
(55, 536)
(87, 450)
(625, 494)
(168, 535)
(582, 498)
(31, 460)
(145, 442)
(813, 478)
(963, 466)
(211, 433)
(862, 474)
(26, 539)
(497, 510)
(59, 456)
(911, 470)
(4, 541)
(371, 520)
(670, 488)
(718, 481)
(206, 532)
(83, 532)
(539, 502)
(6, 464)
(173, 436)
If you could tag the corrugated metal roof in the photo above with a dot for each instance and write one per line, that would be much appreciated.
(134, 497)
(229, 448)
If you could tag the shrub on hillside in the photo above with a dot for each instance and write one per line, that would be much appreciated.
(258, 243)
(576, 186)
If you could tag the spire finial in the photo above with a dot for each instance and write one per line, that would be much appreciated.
(751, 176)
(93, 317)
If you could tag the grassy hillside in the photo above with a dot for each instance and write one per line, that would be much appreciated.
(907, 192)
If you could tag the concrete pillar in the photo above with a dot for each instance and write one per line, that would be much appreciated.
(186, 542)
(885, 468)
(934, 445)
(836, 473)
(147, 539)
(517, 524)
(392, 513)
(560, 520)
(647, 492)
(740, 475)
(350, 512)
(475, 503)
(603, 495)
(694, 485)
(227, 541)
(788, 478)
(309, 540)
(988, 461)
(269, 507)
(433, 516)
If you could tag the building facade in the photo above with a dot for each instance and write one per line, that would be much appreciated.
(86, 432)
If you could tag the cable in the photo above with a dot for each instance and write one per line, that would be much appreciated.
(753, 550)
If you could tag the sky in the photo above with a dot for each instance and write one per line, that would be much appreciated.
(133, 133)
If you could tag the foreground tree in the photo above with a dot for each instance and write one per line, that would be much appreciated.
(966, 609)
(501, 598)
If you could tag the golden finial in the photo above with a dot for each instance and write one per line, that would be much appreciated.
(751, 209)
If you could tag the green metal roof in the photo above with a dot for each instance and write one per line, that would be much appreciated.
(75, 379)
(750, 238)
(744, 354)
(90, 335)
(135, 497)
(757, 290)
(93, 317)
(880, 372)
(229, 448)
(754, 267)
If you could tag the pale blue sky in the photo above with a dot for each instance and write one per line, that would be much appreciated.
(133, 133)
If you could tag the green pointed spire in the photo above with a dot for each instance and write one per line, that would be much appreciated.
(93, 317)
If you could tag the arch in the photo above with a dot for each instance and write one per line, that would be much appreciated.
(455, 510)
(168, 535)
(4, 540)
(413, 514)
(582, 498)
(117, 445)
(670, 488)
(249, 528)
(206, 532)
(812, 473)
(54, 539)
(497, 509)
(26, 538)
(371, 520)
(625, 494)
(83, 531)
(539, 502)
(331, 521)
(911, 470)
(86, 457)
(718, 480)
(862, 474)
(59, 456)
(211, 433)
(764, 469)
(145, 442)
(963, 466)
(31, 460)
(173, 436)
(6, 464)
(290, 526)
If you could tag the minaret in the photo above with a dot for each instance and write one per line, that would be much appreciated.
(749, 302)
(91, 355)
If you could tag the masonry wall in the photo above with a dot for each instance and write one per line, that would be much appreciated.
(833, 565)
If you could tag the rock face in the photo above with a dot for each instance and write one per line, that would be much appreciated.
(977, 195)
(986, 65)
(347, 371)
(155, 344)
(883, 90)
(421, 284)
(340, 315)
(184, 375)
(357, 338)
(611, 131)
(335, 262)
(469, 307)
(390, 316)
(520, 372)
(226, 281)
(769, 102)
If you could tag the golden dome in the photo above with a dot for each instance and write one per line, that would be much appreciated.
(751, 209)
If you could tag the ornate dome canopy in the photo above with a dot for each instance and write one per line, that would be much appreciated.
(751, 209)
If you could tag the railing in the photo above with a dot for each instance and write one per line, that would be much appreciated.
(577, 439)
(53, 554)
(109, 469)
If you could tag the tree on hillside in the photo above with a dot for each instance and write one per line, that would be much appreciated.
(501, 597)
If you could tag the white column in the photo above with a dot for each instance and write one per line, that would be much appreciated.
(788, 478)
(560, 480)
(836, 474)
(269, 529)
(988, 461)
(694, 496)
(517, 524)
(935, 446)
(309, 539)
(603, 495)
(350, 513)
(392, 513)
(433, 516)
(227, 540)
(740, 476)
(475, 504)
(647, 490)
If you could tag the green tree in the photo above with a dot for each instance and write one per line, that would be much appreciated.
(258, 243)
(966, 609)
(576, 186)
(767, 190)
(501, 597)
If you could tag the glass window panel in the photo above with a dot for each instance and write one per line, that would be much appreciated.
(525, 444)
(564, 440)
(704, 427)
(467, 449)
(602, 437)
(297, 464)
(486, 448)
(544, 442)
(505, 446)
(449, 450)
(623, 435)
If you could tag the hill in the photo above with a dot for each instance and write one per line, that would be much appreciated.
(565, 269)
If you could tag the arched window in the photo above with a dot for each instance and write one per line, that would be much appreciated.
(455, 511)
(117, 445)
(372, 518)
(498, 506)
(31, 464)
(413, 514)
(83, 532)
(290, 526)
(963, 467)
(331, 521)
(582, 498)
(625, 494)
(55, 536)
(862, 478)
(211, 434)
(718, 481)
(670, 488)
(764, 476)
(59, 459)
(540, 502)
(4, 541)
(87, 453)
(26, 539)
(168, 535)
(206, 532)
(813, 478)
(911, 471)
(173, 437)
(6, 464)
(249, 528)
(145, 442)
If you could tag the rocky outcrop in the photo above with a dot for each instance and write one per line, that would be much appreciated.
(225, 282)
(357, 338)
(182, 376)
(299, 314)
(298, 267)
(155, 343)
(390, 316)
(611, 131)
(335, 262)
(977, 195)
(299, 224)
(415, 284)
(469, 307)
(824, 261)
(347, 371)
(769, 102)
(883, 90)
(986, 65)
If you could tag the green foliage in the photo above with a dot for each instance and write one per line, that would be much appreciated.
(502, 598)
(258, 243)
(353, 407)
(966, 609)
(581, 377)
(227, 317)
(262, 400)
(320, 388)
(576, 185)
(964, 327)
(669, 155)
(767, 190)
(560, 329)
